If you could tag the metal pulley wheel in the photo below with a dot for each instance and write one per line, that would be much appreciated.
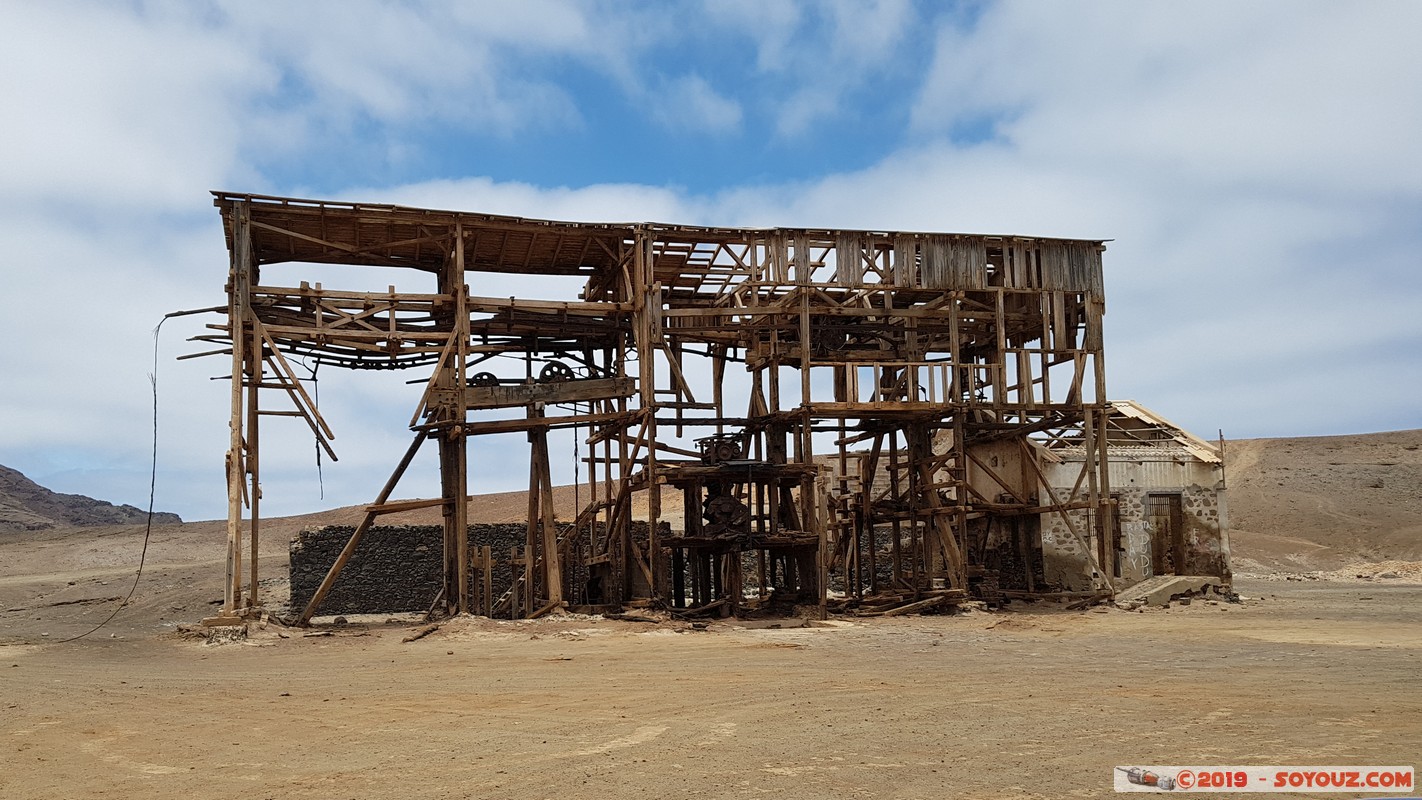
(726, 517)
(483, 379)
(555, 372)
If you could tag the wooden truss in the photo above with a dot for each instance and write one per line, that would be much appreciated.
(814, 396)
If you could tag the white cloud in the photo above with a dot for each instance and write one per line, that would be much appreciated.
(1257, 165)
(772, 26)
(689, 103)
(410, 65)
(1204, 93)
(106, 106)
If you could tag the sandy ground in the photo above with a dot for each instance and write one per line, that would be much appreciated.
(1318, 666)
(1033, 702)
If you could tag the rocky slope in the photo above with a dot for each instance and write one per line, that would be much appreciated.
(27, 506)
(1295, 505)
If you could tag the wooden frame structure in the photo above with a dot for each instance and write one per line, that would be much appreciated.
(814, 396)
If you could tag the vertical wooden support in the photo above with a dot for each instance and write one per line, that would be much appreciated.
(648, 333)
(869, 470)
(543, 531)
(533, 523)
(453, 446)
(1093, 495)
(959, 470)
(896, 492)
(806, 348)
(254, 370)
(238, 300)
(461, 382)
(939, 534)
(452, 491)
(1105, 520)
(999, 375)
(620, 535)
(552, 560)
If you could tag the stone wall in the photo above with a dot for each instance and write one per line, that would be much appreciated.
(1067, 566)
(395, 568)
(400, 567)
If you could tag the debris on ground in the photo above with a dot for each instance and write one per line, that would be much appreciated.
(420, 633)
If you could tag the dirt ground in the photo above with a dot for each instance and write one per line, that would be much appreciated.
(1029, 702)
(1318, 666)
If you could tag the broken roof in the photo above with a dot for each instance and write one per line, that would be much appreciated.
(321, 231)
(1132, 423)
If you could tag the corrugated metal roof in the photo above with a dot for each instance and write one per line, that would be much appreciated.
(1194, 445)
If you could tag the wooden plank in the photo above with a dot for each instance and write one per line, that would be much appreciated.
(911, 608)
(494, 305)
(484, 397)
(548, 423)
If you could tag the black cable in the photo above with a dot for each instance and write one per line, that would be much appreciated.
(152, 487)
(316, 387)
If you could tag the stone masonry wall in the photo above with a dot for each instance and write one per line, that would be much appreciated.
(1206, 549)
(395, 568)
(399, 567)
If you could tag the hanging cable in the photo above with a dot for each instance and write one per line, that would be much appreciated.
(316, 401)
(152, 486)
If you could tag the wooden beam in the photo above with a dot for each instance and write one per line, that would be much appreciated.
(482, 397)
(351, 544)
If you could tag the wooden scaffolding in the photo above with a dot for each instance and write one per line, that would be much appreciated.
(814, 396)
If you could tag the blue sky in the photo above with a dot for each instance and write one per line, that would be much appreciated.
(1257, 165)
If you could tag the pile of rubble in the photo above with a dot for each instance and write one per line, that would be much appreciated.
(1378, 571)
(1162, 590)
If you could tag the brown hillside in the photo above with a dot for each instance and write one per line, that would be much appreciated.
(27, 506)
(1300, 504)
(1297, 504)
(1322, 502)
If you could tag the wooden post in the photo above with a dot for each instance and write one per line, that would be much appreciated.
(238, 298)
(254, 370)
(540, 506)
(460, 519)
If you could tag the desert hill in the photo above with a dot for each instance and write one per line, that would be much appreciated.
(1322, 502)
(1295, 505)
(1304, 505)
(27, 506)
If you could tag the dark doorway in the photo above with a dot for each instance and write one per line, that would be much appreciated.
(1167, 533)
(1118, 539)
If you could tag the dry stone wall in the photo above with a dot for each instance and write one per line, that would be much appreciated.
(398, 568)
(395, 568)
(1068, 566)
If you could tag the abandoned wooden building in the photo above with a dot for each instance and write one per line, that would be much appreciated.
(1169, 512)
(746, 377)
